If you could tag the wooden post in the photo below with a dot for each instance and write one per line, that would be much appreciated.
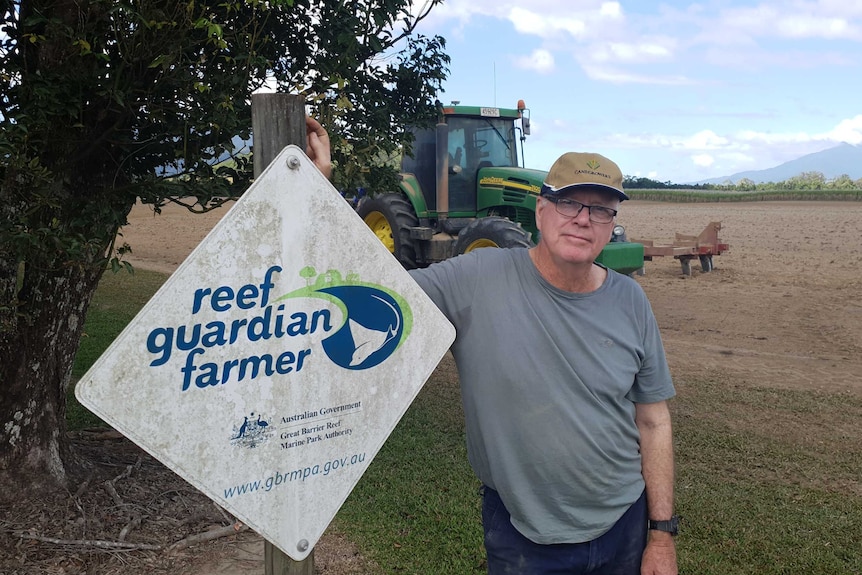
(278, 120)
(277, 563)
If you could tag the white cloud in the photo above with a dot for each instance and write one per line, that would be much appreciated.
(849, 131)
(705, 140)
(611, 10)
(619, 76)
(630, 52)
(702, 160)
(527, 22)
(807, 26)
(541, 61)
(795, 20)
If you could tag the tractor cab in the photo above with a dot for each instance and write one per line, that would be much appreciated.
(475, 138)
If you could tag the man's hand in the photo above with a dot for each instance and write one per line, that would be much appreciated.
(318, 149)
(659, 557)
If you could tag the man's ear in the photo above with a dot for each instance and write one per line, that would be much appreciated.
(541, 206)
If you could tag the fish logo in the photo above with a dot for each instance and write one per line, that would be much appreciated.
(367, 340)
(376, 320)
(373, 330)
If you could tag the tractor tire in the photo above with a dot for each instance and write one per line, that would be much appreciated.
(491, 232)
(390, 217)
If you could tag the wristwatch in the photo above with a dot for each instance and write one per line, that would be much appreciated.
(670, 526)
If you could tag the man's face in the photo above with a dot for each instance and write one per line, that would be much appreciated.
(575, 239)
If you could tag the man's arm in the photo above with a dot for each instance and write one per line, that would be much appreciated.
(318, 149)
(654, 425)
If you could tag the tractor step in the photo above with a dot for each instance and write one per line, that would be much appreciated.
(421, 233)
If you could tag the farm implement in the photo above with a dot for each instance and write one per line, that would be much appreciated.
(685, 248)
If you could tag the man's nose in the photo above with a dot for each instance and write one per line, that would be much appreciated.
(583, 216)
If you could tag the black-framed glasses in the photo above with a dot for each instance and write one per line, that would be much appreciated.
(571, 208)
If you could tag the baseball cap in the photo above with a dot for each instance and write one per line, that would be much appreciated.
(578, 169)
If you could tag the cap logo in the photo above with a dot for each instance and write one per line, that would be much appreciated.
(593, 164)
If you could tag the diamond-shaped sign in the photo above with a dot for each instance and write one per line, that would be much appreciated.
(272, 365)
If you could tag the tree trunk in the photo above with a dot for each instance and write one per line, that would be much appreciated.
(60, 207)
(37, 349)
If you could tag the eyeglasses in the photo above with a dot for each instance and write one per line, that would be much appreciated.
(571, 208)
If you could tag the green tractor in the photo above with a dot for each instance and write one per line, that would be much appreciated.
(463, 189)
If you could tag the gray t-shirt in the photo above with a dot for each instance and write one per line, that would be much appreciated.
(548, 380)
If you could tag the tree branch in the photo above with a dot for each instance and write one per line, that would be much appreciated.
(100, 544)
(208, 536)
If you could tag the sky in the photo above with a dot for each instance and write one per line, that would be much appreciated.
(673, 91)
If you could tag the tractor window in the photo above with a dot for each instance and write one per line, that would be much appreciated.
(423, 164)
(456, 147)
(500, 149)
(485, 142)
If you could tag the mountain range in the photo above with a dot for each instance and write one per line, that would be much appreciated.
(832, 163)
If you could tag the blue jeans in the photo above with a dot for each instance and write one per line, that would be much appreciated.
(617, 552)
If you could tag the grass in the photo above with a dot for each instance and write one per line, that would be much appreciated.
(769, 482)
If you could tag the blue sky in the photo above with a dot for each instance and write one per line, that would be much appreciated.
(677, 90)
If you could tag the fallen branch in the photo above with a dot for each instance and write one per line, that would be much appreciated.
(135, 522)
(109, 487)
(90, 542)
(208, 536)
(128, 472)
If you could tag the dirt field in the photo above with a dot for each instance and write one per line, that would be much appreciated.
(783, 308)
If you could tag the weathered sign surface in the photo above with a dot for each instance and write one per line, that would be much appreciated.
(272, 365)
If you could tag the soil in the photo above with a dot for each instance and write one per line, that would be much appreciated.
(782, 308)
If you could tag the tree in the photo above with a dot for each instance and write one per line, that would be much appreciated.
(842, 182)
(746, 185)
(807, 181)
(107, 101)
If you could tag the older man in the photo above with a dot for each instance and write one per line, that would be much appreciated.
(565, 386)
(564, 383)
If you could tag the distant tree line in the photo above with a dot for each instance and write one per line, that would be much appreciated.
(811, 181)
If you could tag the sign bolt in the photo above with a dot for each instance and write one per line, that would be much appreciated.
(293, 162)
(302, 545)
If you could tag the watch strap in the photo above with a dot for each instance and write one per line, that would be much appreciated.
(669, 526)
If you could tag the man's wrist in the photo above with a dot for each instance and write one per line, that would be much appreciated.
(660, 538)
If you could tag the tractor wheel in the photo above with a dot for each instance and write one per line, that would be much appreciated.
(390, 217)
(491, 232)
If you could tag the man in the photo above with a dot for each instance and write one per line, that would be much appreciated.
(564, 384)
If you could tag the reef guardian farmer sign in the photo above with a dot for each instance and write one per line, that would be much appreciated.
(352, 346)
(272, 365)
